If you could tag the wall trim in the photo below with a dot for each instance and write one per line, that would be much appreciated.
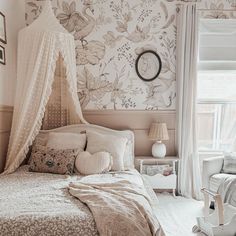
(108, 112)
(139, 122)
(6, 108)
(4, 131)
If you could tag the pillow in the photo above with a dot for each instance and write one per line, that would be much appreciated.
(66, 141)
(97, 163)
(41, 139)
(129, 156)
(109, 143)
(47, 160)
(229, 166)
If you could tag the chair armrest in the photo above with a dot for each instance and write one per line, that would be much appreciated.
(211, 166)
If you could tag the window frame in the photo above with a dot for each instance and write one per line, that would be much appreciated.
(217, 120)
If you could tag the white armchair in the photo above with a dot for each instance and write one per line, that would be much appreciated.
(211, 167)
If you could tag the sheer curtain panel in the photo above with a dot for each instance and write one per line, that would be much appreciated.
(42, 46)
(187, 54)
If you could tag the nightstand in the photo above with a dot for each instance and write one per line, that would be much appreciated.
(159, 181)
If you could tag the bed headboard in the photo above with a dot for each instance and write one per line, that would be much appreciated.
(78, 128)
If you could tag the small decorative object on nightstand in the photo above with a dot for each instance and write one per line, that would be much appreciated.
(158, 132)
(160, 173)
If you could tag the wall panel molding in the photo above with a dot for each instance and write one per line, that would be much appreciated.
(139, 122)
(4, 108)
(5, 128)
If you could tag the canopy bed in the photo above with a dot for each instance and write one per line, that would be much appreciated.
(48, 196)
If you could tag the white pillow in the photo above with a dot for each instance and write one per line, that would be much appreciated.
(229, 166)
(129, 156)
(66, 141)
(88, 164)
(109, 143)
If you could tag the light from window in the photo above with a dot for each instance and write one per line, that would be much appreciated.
(216, 110)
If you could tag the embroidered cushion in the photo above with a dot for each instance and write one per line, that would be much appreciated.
(58, 140)
(47, 160)
(109, 143)
(229, 166)
(96, 163)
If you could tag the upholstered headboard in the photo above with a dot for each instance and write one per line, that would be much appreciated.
(78, 128)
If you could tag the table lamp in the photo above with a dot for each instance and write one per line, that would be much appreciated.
(158, 132)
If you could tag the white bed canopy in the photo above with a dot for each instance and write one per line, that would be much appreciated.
(46, 94)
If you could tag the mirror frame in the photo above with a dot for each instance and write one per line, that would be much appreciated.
(137, 61)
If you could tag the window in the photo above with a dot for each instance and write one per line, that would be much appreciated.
(217, 111)
(217, 86)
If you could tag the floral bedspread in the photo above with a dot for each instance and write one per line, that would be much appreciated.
(40, 204)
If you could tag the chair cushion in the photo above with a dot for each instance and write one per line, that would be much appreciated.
(216, 180)
(229, 166)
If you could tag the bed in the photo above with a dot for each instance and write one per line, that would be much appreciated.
(40, 203)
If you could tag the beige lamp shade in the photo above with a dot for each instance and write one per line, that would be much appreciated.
(158, 131)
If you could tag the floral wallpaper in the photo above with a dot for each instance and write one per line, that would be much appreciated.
(218, 9)
(110, 34)
(217, 4)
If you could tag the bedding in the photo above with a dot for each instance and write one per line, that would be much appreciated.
(125, 204)
(30, 201)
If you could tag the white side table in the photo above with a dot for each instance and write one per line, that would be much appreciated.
(159, 181)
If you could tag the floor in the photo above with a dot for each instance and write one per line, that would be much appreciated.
(178, 215)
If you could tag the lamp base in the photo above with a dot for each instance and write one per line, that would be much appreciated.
(159, 149)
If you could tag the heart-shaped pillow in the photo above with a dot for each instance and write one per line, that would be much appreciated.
(88, 164)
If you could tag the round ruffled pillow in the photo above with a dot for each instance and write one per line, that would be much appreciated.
(88, 164)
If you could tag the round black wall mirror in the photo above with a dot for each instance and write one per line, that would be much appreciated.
(148, 65)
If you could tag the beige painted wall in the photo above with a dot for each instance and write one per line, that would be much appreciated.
(139, 122)
(14, 12)
(5, 127)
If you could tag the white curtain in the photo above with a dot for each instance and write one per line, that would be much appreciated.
(41, 46)
(228, 128)
(187, 53)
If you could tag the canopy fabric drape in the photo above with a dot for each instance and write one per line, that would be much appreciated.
(44, 48)
(187, 54)
(58, 111)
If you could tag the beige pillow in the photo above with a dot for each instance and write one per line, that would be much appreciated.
(88, 164)
(109, 143)
(66, 141)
